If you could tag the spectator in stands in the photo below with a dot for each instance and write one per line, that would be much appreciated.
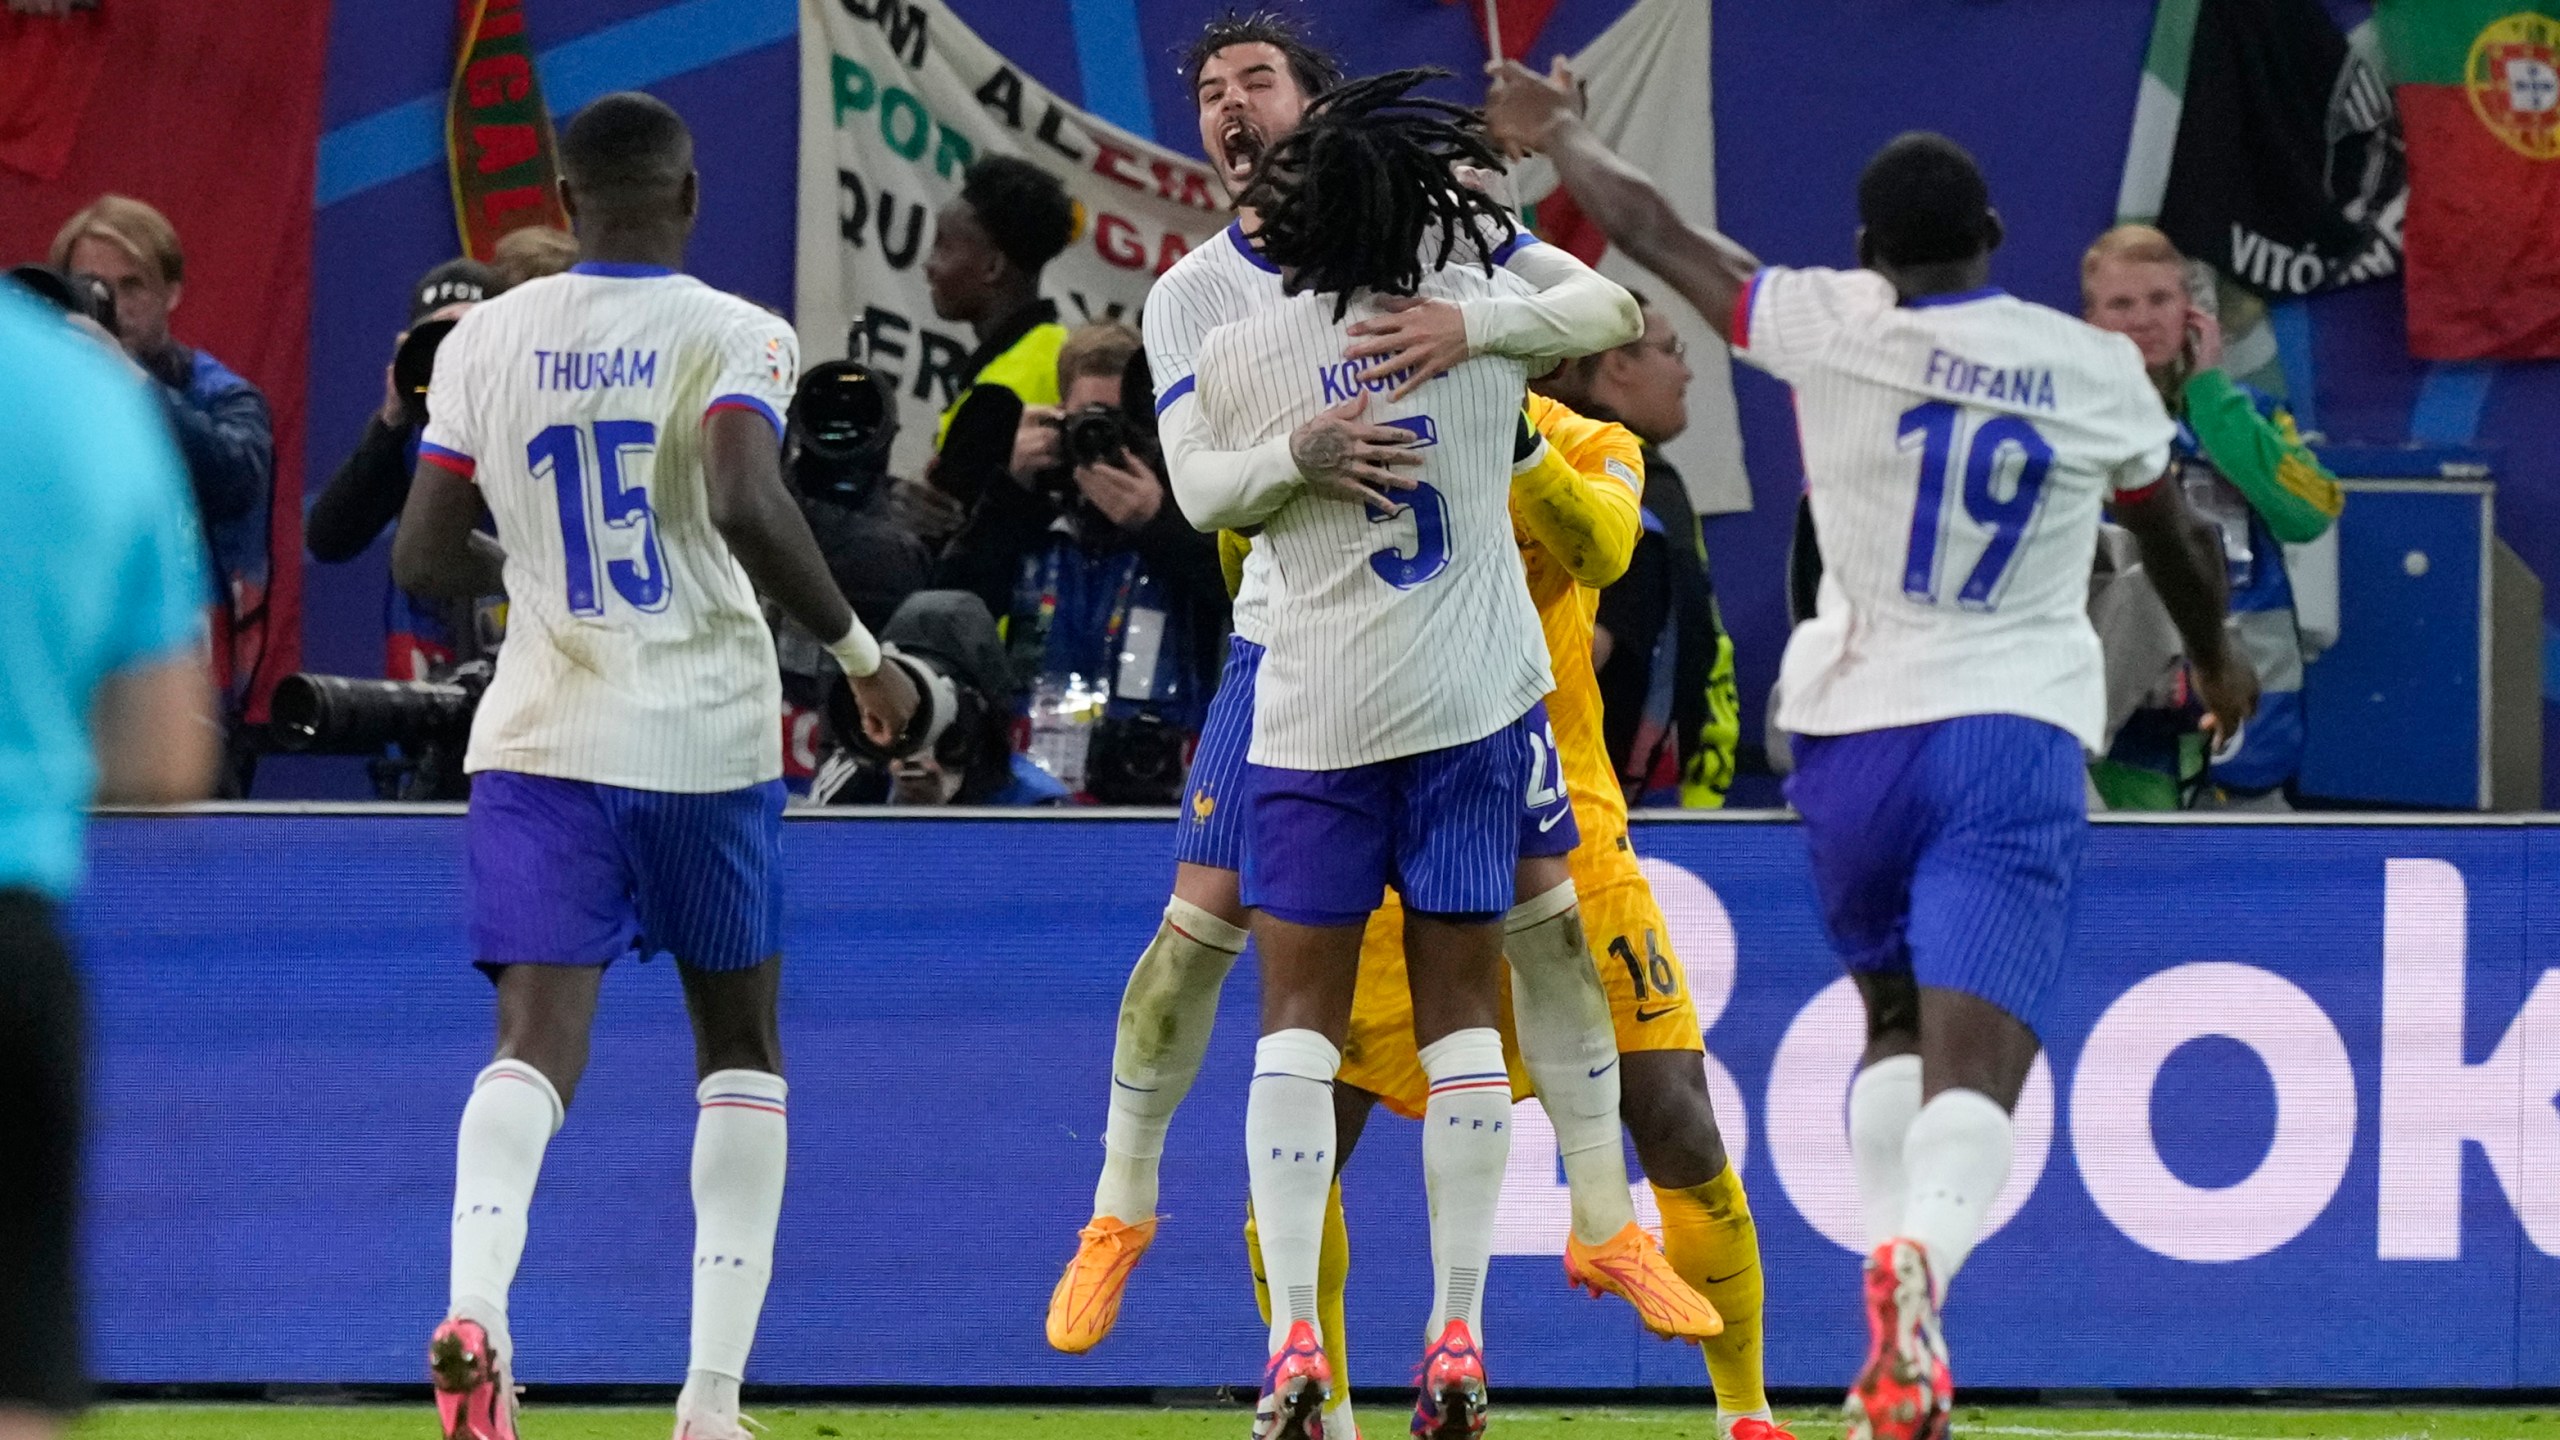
(221, 422)
(365, 495)
(1107, 590)
(990, 244)
(1666, 665)
(2246, 470)
(531, 252)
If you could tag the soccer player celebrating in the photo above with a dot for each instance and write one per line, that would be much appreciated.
(1253, 78)
(1397, 718)
(621, 423)
(1576, 515)
(1960, 444)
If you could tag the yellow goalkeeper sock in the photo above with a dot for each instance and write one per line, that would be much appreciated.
(1708, 1237)
(1333, 1280)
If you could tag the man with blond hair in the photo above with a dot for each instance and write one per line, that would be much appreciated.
(219, 419)
(2245, 469)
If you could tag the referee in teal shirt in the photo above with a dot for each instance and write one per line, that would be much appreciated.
(104, 698)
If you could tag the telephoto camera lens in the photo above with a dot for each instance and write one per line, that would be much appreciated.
(336, 715)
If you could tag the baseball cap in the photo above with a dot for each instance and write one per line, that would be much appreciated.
(451, 283)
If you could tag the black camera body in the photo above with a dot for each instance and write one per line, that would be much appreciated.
(74, 294)
(414, 364)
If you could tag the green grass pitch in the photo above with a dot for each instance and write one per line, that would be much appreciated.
(320, 1422)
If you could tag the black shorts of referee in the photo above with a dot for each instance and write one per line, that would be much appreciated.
(39, 1160)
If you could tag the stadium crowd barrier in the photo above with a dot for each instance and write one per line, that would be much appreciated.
(2297, 1125)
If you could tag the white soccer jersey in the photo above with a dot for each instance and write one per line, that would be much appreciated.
(1385, 635)
(1221, 282)
(1957, 450)
(1216, 284)
(635, 653)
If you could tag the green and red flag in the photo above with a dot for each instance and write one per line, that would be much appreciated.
(2478, 83)
(498, 142)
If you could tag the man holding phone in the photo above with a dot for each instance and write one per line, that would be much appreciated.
(2246, 470)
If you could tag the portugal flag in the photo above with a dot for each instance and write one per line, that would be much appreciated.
(2479, 89)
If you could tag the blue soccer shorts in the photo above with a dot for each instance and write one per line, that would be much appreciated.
(1212, 825)
(1447, 828)
(570, 872)
(1948, 851)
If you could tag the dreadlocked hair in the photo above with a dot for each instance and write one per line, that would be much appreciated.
(1350, 198)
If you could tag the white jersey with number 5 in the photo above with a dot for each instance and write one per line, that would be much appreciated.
(635, 653)
(1384, 635)
(1224, 280)
(1957, 450)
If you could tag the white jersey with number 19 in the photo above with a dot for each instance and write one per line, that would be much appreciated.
(1957, 450)
(635, 652)
(1385, 635)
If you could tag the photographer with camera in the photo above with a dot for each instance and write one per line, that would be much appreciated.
(843, 420)
(221, 422)
(365, 495)
(959, 748)
(1115, 606)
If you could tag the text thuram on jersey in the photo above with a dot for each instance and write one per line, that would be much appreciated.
(594, 369)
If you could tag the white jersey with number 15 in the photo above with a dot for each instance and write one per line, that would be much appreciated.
(1957, 450)
(635, 652)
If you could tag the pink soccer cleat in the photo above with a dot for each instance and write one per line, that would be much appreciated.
(1452, 1403)
(1905, 1391)
(1295, 1386)
(475, 1396)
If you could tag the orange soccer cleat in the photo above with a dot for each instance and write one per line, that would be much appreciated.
(475, 1397)
(1296, 1386)
(1086, 1303)
(1752, 1427)
(1905, 1390)
(1630, 1266)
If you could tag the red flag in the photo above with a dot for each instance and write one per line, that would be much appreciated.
(499, 147)
(49, 64)
(1522, 22)
(2480, 105)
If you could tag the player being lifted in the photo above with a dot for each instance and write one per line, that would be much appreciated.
(621, 423)
(1576, 514)
(1960, 444)
(1398, 733)
(1253, 78)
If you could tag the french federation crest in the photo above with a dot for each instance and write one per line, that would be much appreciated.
(2513, 78)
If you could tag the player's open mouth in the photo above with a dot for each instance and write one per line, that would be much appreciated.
(1243, 146)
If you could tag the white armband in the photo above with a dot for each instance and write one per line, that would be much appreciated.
(857, 652)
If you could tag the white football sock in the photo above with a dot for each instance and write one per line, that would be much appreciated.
(506, 1125)
(1466, 1138)
(1570, 1046)
(1288, 1136)
(1883, 1101)
(1957, 1156)
(1165, 1018)
(741, 1146)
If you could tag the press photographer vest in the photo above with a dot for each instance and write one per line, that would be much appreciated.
(1021, 355)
